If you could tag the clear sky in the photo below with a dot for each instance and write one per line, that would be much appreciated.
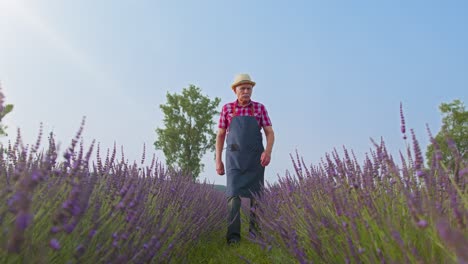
(331, 73)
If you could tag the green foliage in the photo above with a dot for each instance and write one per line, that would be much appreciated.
(188, 131)
(455, 127)
(8, 108)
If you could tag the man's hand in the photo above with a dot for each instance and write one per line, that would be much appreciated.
(270, 139)
(220, 137)
(265, 158)
(220, 168)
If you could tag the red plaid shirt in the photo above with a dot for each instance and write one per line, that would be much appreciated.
(259, 112)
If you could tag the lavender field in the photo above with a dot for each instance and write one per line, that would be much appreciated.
(59, 207)
(110, 212)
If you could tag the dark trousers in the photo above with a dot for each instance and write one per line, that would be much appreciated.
(234, 220)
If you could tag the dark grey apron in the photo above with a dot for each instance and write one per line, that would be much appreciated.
(245, 174)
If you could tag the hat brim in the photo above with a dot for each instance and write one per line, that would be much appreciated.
(234, 85)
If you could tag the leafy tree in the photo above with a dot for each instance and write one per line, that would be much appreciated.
(454, 127)
(7, 109)
(188, 131)
(4, 110)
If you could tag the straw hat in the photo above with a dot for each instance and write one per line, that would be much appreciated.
(241, 79)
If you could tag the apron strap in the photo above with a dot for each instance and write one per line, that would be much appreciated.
(234, 110)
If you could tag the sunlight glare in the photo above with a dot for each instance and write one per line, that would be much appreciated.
(15, 11)
(11, 8)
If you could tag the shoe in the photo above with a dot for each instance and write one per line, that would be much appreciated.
(233, 242)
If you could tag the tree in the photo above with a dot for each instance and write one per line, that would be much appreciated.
(4, 110)
(188, 132)
(454, 128)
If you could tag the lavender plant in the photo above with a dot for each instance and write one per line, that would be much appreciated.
(109, 212)
(377, 211)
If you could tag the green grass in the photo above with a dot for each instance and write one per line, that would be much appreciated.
(213, 249)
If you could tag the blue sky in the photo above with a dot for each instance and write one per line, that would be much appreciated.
(331, 73)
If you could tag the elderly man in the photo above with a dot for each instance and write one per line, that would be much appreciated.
(241, 122)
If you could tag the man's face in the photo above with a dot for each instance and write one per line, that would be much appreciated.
(244, 92)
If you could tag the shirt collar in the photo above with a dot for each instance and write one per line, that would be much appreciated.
(237, 103)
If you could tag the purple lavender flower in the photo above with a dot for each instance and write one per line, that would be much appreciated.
(35, 176)
(69, 227)
(54, 229)
(80, 250)
(402, 121)
(451, 143)
(420, 173)
(422, 223)
(120, 205)
(463, 172)
(419, 161)
(76, 210)
(67, 204)
(67, 155)
(23, 220)
(12, 202)
(54, 244)
(92, 233)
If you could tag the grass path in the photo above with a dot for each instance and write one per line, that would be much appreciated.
(213, 249)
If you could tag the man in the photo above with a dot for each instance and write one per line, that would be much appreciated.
(241, 122)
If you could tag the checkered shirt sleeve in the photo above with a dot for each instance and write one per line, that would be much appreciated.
(223, 119)
(265, 119)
